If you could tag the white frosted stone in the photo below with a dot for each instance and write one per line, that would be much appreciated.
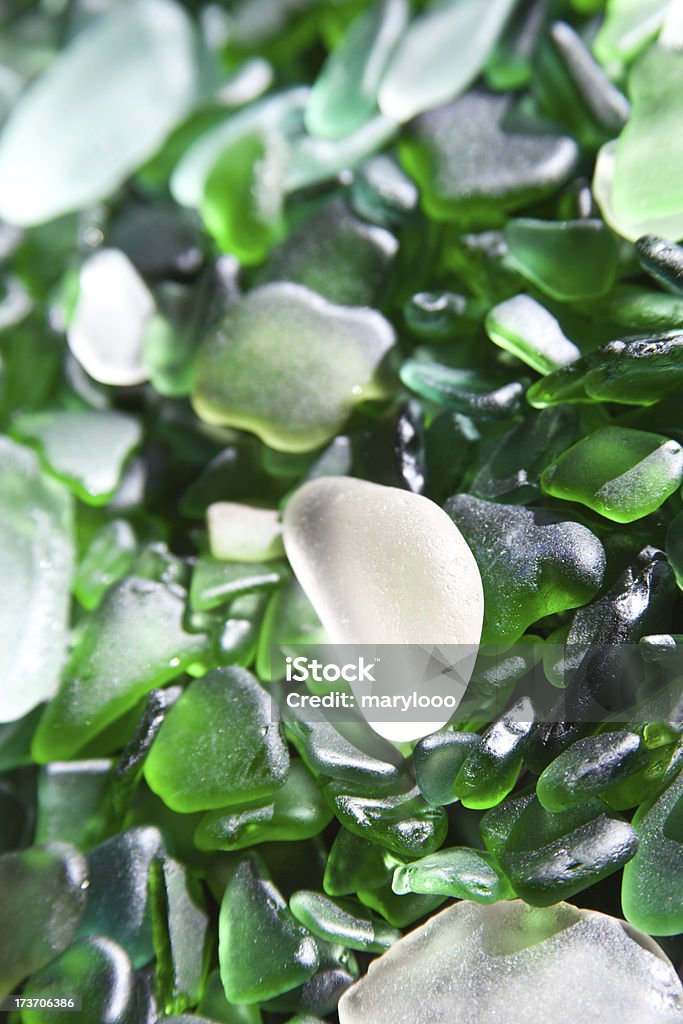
(107, 330)
(101, 108)
(243, 533)
(508, 963)
(383, 566)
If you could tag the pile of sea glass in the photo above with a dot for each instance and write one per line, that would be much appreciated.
(412, 266)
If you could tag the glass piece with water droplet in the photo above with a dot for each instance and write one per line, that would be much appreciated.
(36, 564)
(382, 192)
(534, 546)
(107, 559)
(525, 328)
(440, 55)
(663, 261)
(589, 768)
(105, 678)
(99, 971)
(354, 863)
(344, 94)
(568, 260)
(467, 391)
(490, 770)
(438, 759)
(335, 254)
(43, 898)
(83, 448)
(219, 744)
(243, 533)
(458, 872)
(300, 344)
(651, 894)
(474, 964)
(342, 921)
(74, 802)
(622, 474)
(144, 59)
(107, 330)
(182, 941)
(263, 951)
(403, 823)
(296, 811)
(471, 170)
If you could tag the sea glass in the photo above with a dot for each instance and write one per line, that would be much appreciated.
(663, 261)
(180, 930)
(438, 759)
(567, 260)
(458, 872)
(342, 921)
(525, 328)
(108, 558)
(589, 768)
(404, 823)
(243, 533)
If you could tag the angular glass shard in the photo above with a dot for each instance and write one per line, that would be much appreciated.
(44, 892)
(568, 260)
(471, 169)
(105, 678)
(662, 260)
(475, 964)
(85, 449)
(243, 532)
(220, 744)
(459, 872)
(404, 824)
(346, 922)
(589, 768)
(263, 951)
(181, 934)
(344, 94)
(74, 802)
(300, 344)
(36, 564)
(524, 327)
(440, 55)
(620, 473)
(535, 547)
(144, 58)
(107, 329)
(467, 391)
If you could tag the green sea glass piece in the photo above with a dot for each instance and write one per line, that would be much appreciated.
(552, 564)
(440, 314)
(118, 901)
(220, 744)
(440, 55)
(83, 448)
(108, 558)
(628, 27)
(400, 911)
(466, 391)
(263, 951)
(180, 929)
(354, 863)
(344, 95)
(321, 993)
(589, 768)
(216, 1007)
(525, 328)
(622, 474)
(315, 161)
(99, 972)
(335, 254)
(300, 343)
(438, 759)
(643, 309)
(497, 824)
(490, 770)
(382, 192)
(105, 678)
(651, 894)
(244, 533)
(215, 582)
(548, 857)
(74, 802)
(459, 872)
(296, 811)
(471, 169)
(404, 823)
(144, 56)
(44, 891)
(342, 921)
(674, 546)
(510, 62)
(568, 260)
(663, 261)
(36, 564)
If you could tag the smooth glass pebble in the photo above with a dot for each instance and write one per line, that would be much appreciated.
(663, 261)
(344, 95)
(104, 678)
(73, 802)
(438, 759)
(536, 547)
(99, 972)
(263, 951)
(457, 872)
(525, 328)
(44, 891)
(476, 964)
(217, 1008)
(86, 450)
(106, 561)
(321, 993)
(403, 823)
(180, 929)
(590, 767)
(470, 169)
(220, 744)
(329, 355)
(382, 192)
(296, 811)
(467, 391)
(354, 863)
(107, 330)
(342, 921)
(645, 309)
(243, 533)
(567, 260)
(490, 770)
(440, 55)
(622, 474)
(341, 536)
(399, 911)
(144, 57)
(216, 583)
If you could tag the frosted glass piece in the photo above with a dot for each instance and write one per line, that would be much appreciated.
(243, 533)
(474, 964)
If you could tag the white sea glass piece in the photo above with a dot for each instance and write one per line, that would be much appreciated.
(508, 962)
(386, 568)
(243, 533)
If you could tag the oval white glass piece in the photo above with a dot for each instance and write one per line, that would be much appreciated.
(387, 569)
(243, 533)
